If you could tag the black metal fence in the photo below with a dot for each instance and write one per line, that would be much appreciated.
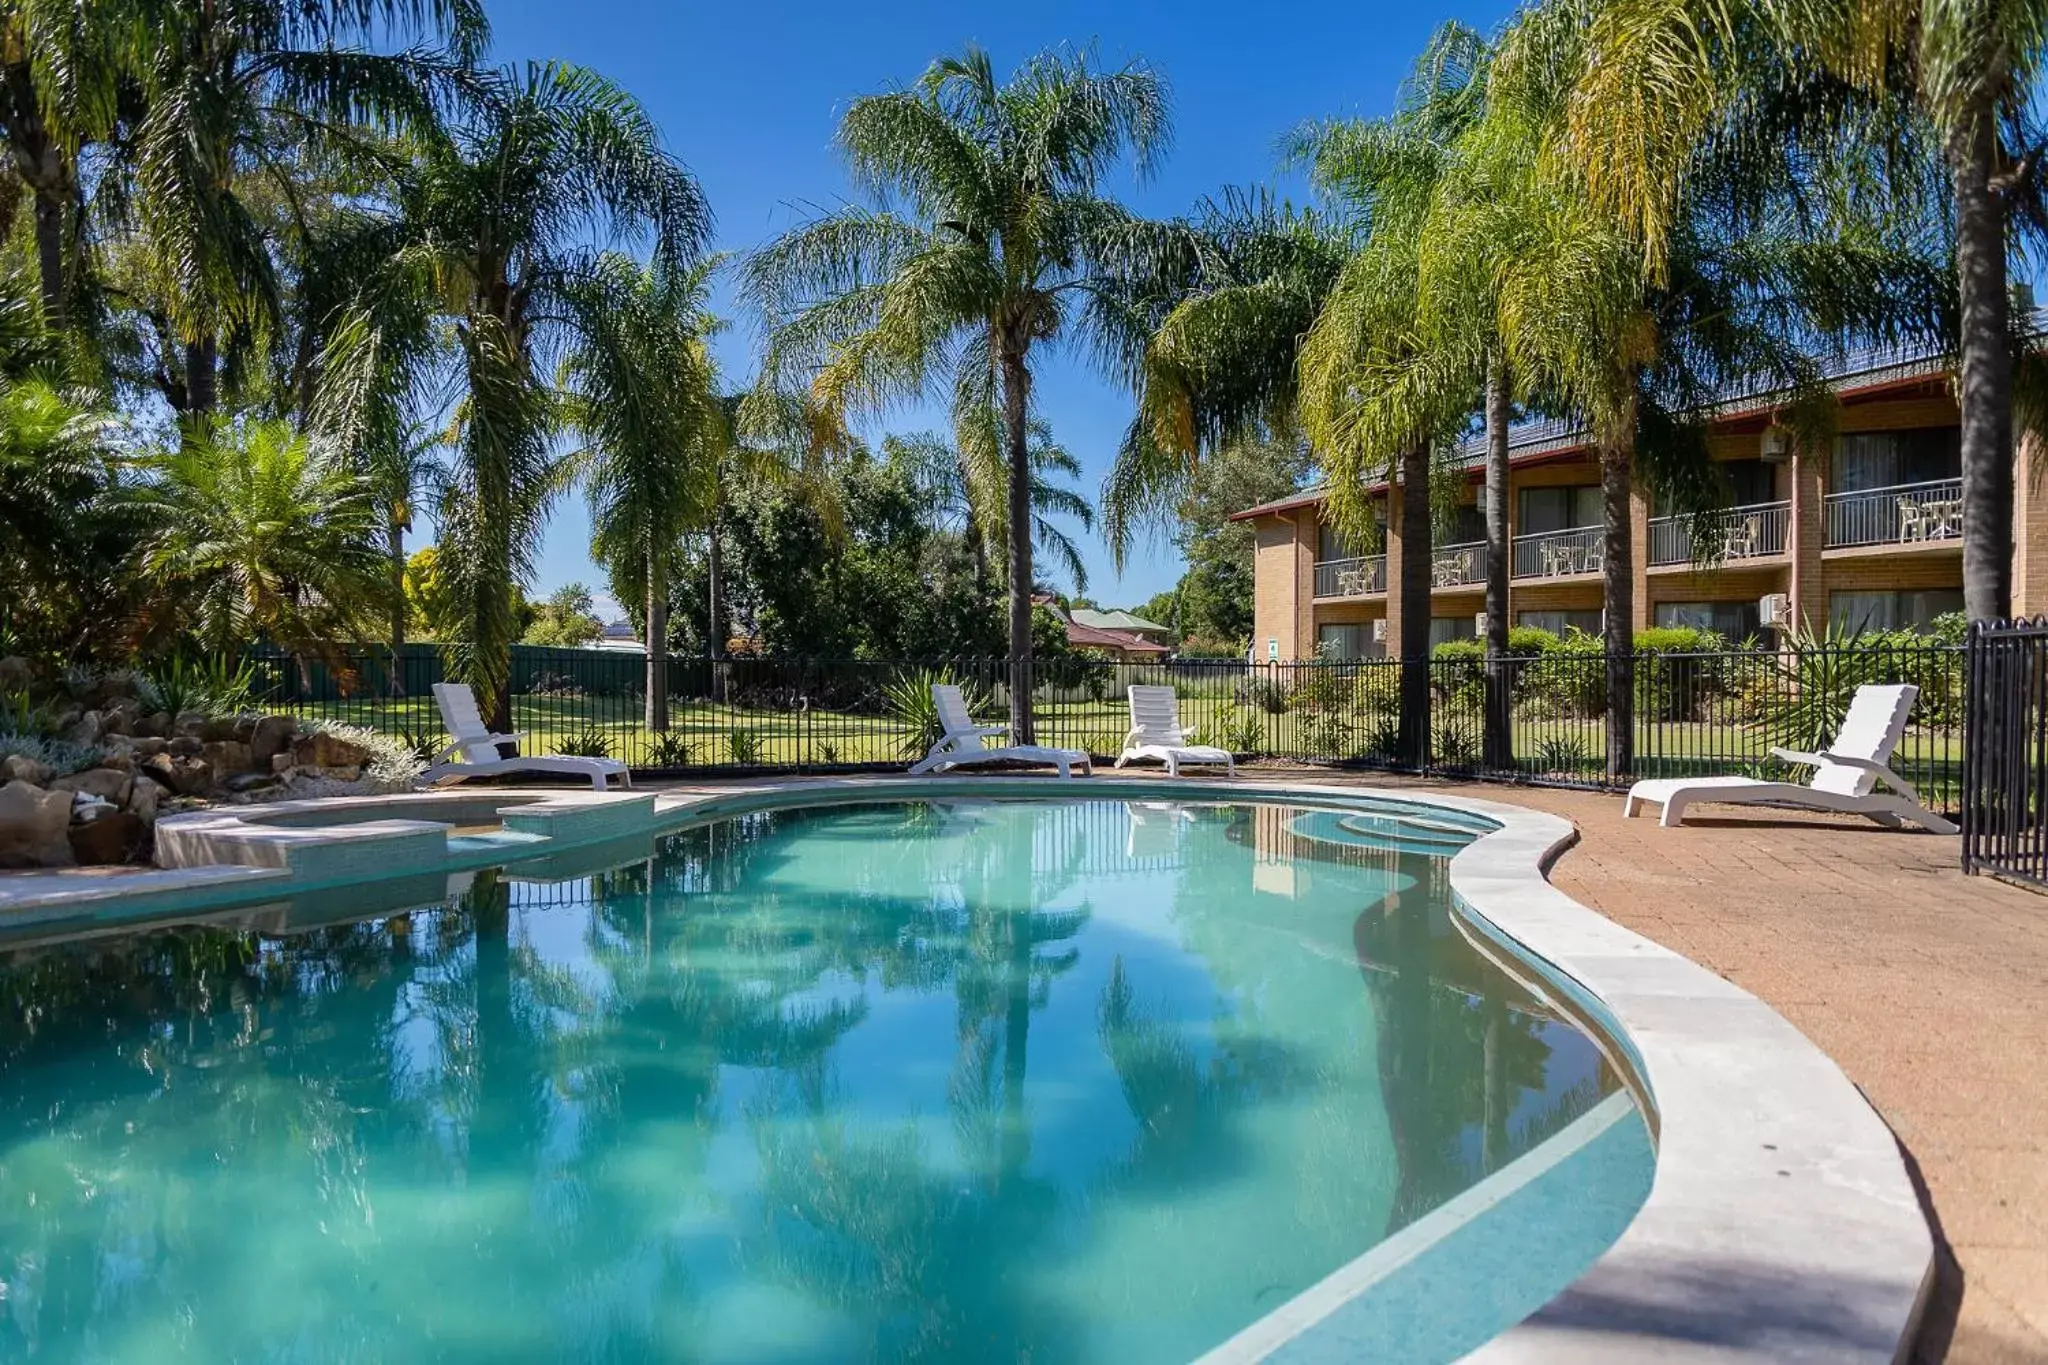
(1695, 713)
(2005, 782)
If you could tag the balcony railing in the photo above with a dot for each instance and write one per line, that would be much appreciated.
(1903, 514)
(1453, 566)
(1560, 554)
(1362, 576)
(1739, 533)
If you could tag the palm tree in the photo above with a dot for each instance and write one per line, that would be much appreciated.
(644, 393)
(1769, 260)
(274, 535)
(991, 238)
(502, 209)
(966, 489)
(238, 97)
(1669, 82)
(59, 76)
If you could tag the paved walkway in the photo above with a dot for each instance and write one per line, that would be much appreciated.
(1929, 988)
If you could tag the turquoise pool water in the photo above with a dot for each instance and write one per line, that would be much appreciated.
(1049, 1081)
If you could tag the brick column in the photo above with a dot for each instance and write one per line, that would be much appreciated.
(2029, 529)
(1393, 547)
(1808, 534)
(1307, 523)
(1639, 552)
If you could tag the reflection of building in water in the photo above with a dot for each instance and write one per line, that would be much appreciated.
(1279, 850)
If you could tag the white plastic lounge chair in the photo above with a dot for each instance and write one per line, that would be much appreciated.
(1845, 777)
(1156, 733)
(475, 750)
(961, 743)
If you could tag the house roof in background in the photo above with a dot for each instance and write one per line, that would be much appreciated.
(1092, 637)
(1116, 620)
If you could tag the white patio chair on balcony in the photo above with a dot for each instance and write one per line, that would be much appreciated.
(1845, 777)
(959, 744)
(475, 750)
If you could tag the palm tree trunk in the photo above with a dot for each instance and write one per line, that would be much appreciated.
(1415, 583)
(394, 549)
(657, 643)
(715, 626)
(202, 390)
(1984, 371)
(50, 212)
(1618, 587)
(1497, 739)
(1016, 404)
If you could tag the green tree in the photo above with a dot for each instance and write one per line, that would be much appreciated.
(266, 533)
(1671, 83)
(500, 211)
(992, 238)
(236, 98)
(1215, 594)
(565, 619)
(644, 393)
(966, 489)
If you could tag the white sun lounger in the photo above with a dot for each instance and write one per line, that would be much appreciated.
(475, 750)
(1156, 733)
(960, 744)
(1845, 777)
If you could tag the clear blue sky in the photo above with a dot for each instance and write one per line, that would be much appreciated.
(748, 96)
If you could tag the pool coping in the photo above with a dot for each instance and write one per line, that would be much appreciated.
(1781, 1222)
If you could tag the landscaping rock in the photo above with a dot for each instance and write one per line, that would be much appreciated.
(338, 772)
(119, 718)
(272, 735)
(185, 746)
(142, 801)
(156, 723)
(252, 782)
(104, 783)
(322, 750)
(228, 756)
(22, 768)
(189, 723)
(184, 775)
(220, 728)
(85, 730)
(146, 746)
(281, 763)
(112, 838)
(245, 726)
(33, 825)
(16, 673)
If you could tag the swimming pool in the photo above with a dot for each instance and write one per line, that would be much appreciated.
(941, 1079)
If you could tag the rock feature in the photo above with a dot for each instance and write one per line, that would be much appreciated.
(322, 750)
(271, 736)
(22, 768)
(227, 755)
(33, 825)
(109, 784)
(112, 838)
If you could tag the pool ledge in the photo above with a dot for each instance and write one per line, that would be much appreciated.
(1781, 1223)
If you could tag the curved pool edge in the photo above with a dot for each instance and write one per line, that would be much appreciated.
(1781, 1222)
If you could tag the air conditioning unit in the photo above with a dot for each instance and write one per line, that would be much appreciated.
(1774, 609)
(1777, 445)
(1379, 631)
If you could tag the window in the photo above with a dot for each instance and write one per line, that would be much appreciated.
(1467, 525)
(1330, 545)
(1349, 641)
(1558, 622)
(1750, 482)
(1442, 628)
(1884, 459)
(1914, 610)
(1733, 621)
(1558, 509)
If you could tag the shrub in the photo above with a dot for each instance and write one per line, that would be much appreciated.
(1563, 754)
(907, 700)
(1383, 741)
(212, 687)
(1454, 745)
(745, 746)
(1569, 679)
(1526, 642)
(394, 764)
(60, 756)
(668, 750)
(1264, 694)
(1240, 730)
(589, 742)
